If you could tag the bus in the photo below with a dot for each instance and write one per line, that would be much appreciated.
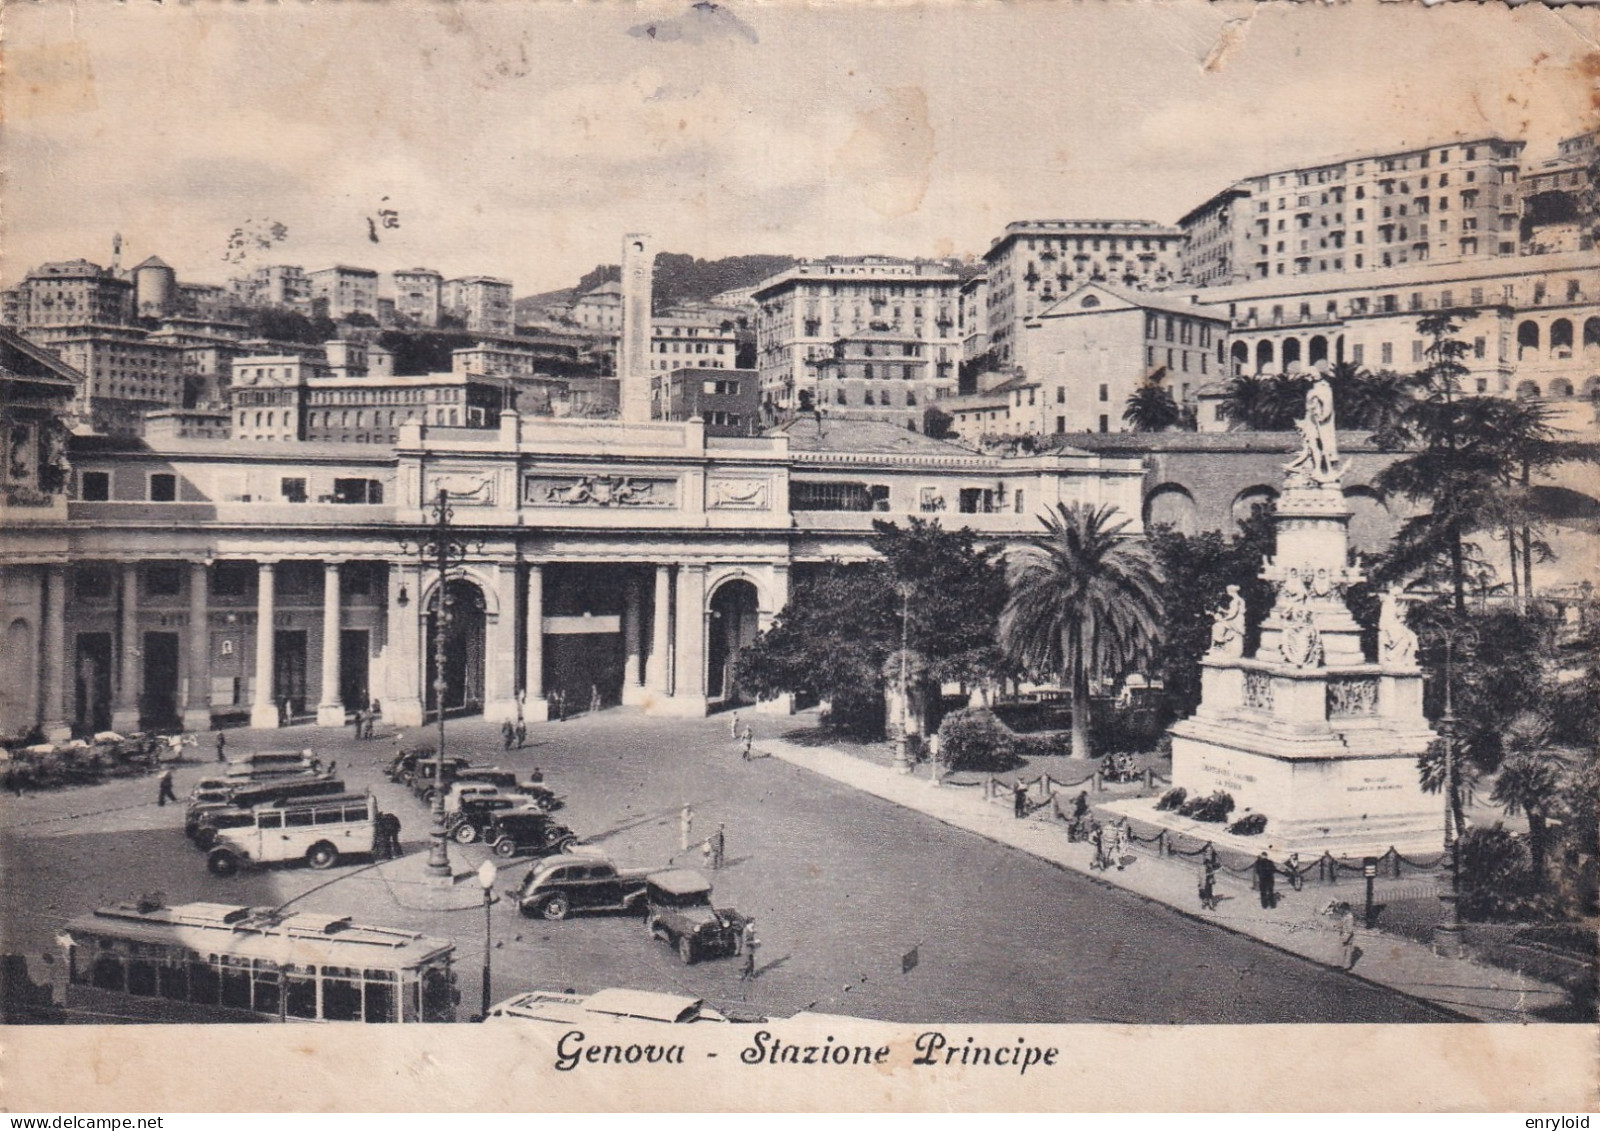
(199, 962)
(220, 808)
(318, 830)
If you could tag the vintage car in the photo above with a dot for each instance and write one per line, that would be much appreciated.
(585, 880)
(508, 828)
(506, 781)
(404, 764)
(679, 911)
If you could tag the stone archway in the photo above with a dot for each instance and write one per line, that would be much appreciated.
(1247, 501)
(1171, 504)
(1241, 357)
(464, 653)
(734, 621)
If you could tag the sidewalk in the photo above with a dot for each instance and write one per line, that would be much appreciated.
(1463, 987)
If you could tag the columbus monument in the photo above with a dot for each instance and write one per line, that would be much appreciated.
(1309, 731)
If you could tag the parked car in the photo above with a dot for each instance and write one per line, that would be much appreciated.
(489, 819)
(517, 832)
(403, 765)
(589, 881)
(426, 769)
(506, 781)
(679, 912)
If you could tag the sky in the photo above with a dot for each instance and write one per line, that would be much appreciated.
(524, 139)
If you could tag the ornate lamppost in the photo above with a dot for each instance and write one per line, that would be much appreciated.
(440, 545)
(902, 755)
(1447, 935)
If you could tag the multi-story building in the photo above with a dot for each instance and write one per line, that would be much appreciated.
(1034, 262)
(1559, 199)
(417, 295)
(372, 410)
(125, 376)
(600, 309)
(728, 401)
(882, 375)
(1435, 203)
(817, 322)
(275, 285)
(973, 317)
(342, 291)
(74, 292)
(482, 304)
(267, 397)
(168, 424)
(206, 359)
(685, 342)
(1086, 354)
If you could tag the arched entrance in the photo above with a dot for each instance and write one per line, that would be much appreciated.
(463, 648)
(735, 621)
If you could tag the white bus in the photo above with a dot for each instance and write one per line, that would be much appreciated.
(318, 830)
(217, 962)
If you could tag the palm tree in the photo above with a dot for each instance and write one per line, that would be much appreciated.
(1150, 408)
(1363, 399)
(1084, 599)
(1286, 401)
(1245, 402)
(1530, 782)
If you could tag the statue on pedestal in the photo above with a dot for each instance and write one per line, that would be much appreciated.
(1227, 626)
(1318, 462)
(1397, 643)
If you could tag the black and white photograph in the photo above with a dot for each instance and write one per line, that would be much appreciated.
(799, 557)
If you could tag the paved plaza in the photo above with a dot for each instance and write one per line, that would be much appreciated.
(842, 880)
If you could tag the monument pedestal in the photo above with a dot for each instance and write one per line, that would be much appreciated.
(1309, 732)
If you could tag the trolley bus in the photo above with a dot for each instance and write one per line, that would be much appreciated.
(216, 962)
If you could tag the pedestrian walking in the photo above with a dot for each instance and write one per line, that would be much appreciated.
(1291, 868)
(508, 734)
(222, 746)
(1266, 880)
(1019, 799)
(165, 794)
(388, 837)
(719, 847)
(1208, 887)
(733, 727)
(522, 734)
(1119, 843)
(1349, 952)
(285, 715)
(359, 722)
(749, 944)
(1097, 837)
(685, 827)
(374, 713)
(749, 737)
(594, 698)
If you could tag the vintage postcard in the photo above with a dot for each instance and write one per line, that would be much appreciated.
(782, 556)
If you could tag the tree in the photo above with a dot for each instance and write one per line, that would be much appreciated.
(1455, 466)
(1363, 399)
(936, 423)
(1265, 404)
(843, 623)
(1150, 408)
(1208, 563)
(1530, 782)
(1084, 600)
(1244, 404)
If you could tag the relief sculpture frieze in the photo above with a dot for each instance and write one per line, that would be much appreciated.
(598, 491)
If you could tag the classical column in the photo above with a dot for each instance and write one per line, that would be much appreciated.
(263, 709)
(535, 706)
(330, 707)
(660, 642)
(52, 705)
(500, 649)
(402, 648)
(125, 706)
(632, 690)
(689, 666)
(197, 705)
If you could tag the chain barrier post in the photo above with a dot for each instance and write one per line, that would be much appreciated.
(1099, 782)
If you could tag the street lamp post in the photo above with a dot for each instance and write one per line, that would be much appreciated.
(444, 548)
(902, 755)
(486, 877)
(1447, 935)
